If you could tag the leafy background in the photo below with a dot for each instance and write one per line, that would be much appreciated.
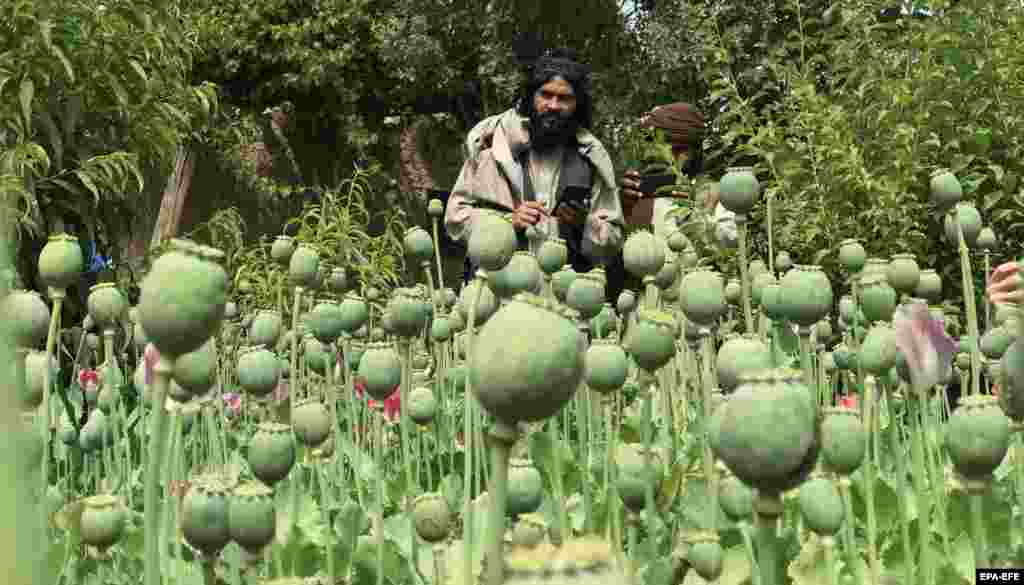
(844, 110)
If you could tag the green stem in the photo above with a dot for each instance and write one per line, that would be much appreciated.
(978, 533)
(467, 509)
(896, 448)
(503, 436)
(154, 465)
(870, 469)
(768, 508)
(748, 316)
(916, 410)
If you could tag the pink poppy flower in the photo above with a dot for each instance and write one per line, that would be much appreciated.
(89, 379)
(151, 356)
(849, 401)
(924, 344)
(233, 401)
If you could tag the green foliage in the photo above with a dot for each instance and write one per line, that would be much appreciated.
(845, 118)
(91, 97)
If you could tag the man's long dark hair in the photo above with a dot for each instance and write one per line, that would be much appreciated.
(561, 63)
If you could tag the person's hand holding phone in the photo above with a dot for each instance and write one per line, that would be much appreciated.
(528, 213)
(1005, 284)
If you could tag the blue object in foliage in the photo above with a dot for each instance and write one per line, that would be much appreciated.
(97, 262)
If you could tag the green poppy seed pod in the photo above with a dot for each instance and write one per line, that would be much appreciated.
(457, 322)
(736, 499)
(327, 321)
(312, 422)
(441, 328)
(847, 308)
(929, 286)
(903, 273)
(844, 358)
(183, 297)
(678, 242)
(258, 371)
(492, 241)
(977, 436)
(282, 249)
(61, 262)
(843, 440)
(705, 555)
(337, 282)
(521, 274)
(435, 208)
(733, 291)
(995, 342)
(35, 370)
(782, 261)
(102, 522)
(770, 301)
(561, 281)
(768, 434)
(525, 490)
(806, 295)
(738, 190)
(196, 371)
(317, 355)
(419, 247)
(740, 355)
(432, 517)
(485, 306)
(204, 515)
(821, 506)
(852, 255)
(626, 302)
(666, 278)
(702, 297)
(606, 366)
(651, 340)
(252, 520)
(643, 254)
(633, 476)
(529, 531)
(987, 239)
(757, 285)
(552, 255)
(946, 190)
(381, 369)
(586, 295)
(271, 452)
(354, 312)
(605, 323)
(1011, 367)
(528, 360)
(27, 317)
(877, 298)
(421, 405)
(970, 223)
(304, 266)
(878, 352)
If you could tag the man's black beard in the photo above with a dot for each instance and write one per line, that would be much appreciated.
(551, 129)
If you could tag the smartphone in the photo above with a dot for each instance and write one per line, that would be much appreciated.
(575, 196)
(651, 183)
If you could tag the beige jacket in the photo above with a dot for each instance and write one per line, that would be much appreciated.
(491, 174)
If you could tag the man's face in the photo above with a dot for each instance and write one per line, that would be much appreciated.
(552, 121)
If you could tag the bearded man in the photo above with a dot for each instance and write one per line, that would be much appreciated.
(527, 159)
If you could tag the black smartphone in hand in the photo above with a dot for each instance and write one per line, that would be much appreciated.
(651, 183)
(576, 197)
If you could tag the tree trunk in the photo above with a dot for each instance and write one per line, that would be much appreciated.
(175, 195)
(414, 173)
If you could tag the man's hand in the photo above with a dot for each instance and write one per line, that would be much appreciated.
(629, 190)
(528, 213)
(569, 215)
(1005, 286)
